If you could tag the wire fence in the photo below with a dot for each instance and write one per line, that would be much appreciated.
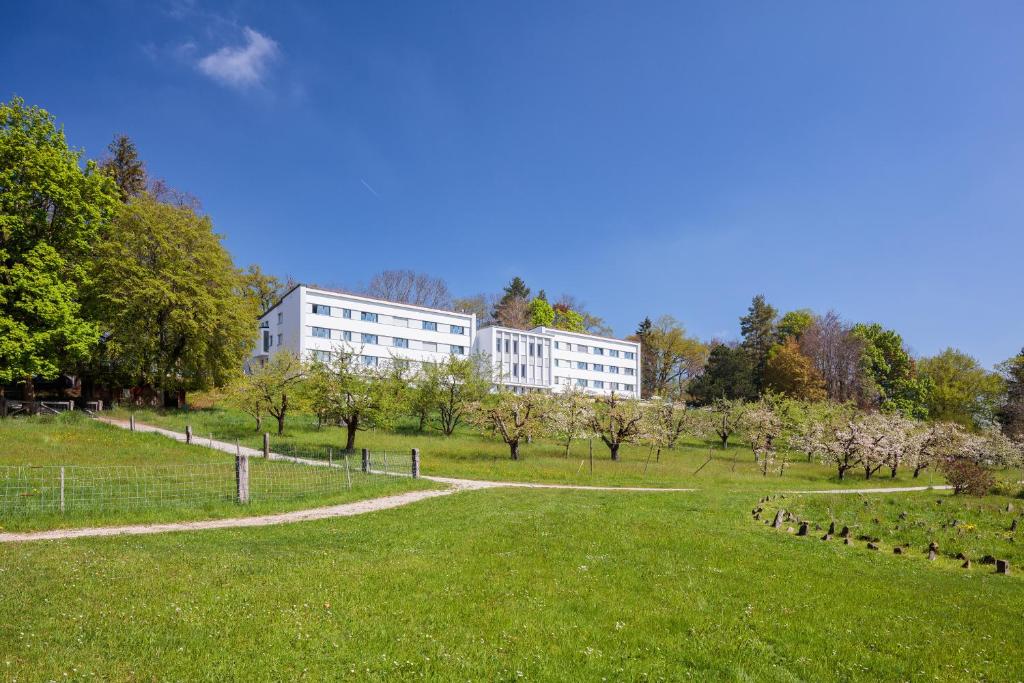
(28, 490)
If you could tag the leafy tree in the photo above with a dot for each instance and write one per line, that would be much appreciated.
(759, 335)
(670, 359)
(617, 420)
(271, 388)
(572, 315)
(513, 417)
(1011, 415)
(568, 319)
(790, 372)
(764, 426)
(729, 374)
(541, 313)
(264, 289)
(458, 383)
(341, 390)
(124, 167)
(726, 418)
(795, 323)
(51, 211)
(892, 372)
(567, 416)
(476, 305)
(170, 300)
(963, 391)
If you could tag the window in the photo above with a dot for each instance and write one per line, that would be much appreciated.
(346, 335)
(629, 355)
(515, 369)
(320, 309)
(368, 317)
(598, 350)
(581, 365)
(321, 332)
(280, 318)
(598, 384)
(557, 346)
(401, 343)
(598, 367)
(522, 370)
(628, 387)
(613, 353)
(268, 341)
(369, 338)
(280, 339)
(540, 351)
(506, 346)
(369, 360)
(581, 382)
(629, 371)
(614, 369)
(531, 348)
(428, 346)
(400, 322)
(346, 313)
(323, 356)
(459, 350)
(515, 347)
(427, 325)
(458, 329)
(581, 348)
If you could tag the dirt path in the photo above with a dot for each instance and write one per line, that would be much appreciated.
(890, 489)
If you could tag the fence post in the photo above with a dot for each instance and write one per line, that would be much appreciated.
(242, 477)
(415, 463)
(62, 490)
(131, 422)
(188, 433)
(266, 445)
(366, 460)
(330, 457)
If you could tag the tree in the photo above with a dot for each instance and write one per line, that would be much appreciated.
(567, 415)
(962, 391)
(541, 313)
(271, 387)
(1011, 414)
(726, 418)
(171, 302)
(475, 305)
(616, 420)
(458, 382)
(513, 417)
(341, 390)
(568, 319)
(513, 309)
(938, 441)
(51, 212)
(572, 315)
(788, 371)
(759, 335)
(729, 374)
(670, 359)
(836, 353)
(124, 167)
(264, 289)
(795, 323)
(410, 287)
(764, 427)
(891, 371)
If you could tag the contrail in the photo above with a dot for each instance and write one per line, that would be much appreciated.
(367, 186)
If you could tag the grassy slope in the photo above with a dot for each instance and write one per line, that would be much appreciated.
(490, 584)
(474, 456)
(74, 440)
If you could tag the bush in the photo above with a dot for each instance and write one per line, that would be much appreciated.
(967, 476)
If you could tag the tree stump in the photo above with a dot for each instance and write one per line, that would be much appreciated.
(831, 528)
(872, 546)
(1002, 566)
(804, 526)
(845, 533)
(778, 519)
(897, 550)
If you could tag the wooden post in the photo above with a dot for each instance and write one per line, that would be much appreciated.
(591, 455)
(62, 490)
(131, 422)
(348, 475)
(242, 477)
(366, 460)
(415, 463)
(330, 457)
(188, 434)
(266, 445)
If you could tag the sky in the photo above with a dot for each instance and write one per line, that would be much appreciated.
(649, 158)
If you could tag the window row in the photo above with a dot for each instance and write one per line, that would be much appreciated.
(533, 349)
(268, 341)
(593, 367)
(397, 342)
(367, 316)
(596, 350)
(595, 384)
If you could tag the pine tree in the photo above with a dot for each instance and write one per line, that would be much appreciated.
(759, 335)
(125, 167)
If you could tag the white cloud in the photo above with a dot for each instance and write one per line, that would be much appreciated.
(243, 66)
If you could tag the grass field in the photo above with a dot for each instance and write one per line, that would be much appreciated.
(514, 584)
(474, 456)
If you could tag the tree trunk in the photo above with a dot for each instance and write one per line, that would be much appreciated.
(259, 422)
(513, 448)
(842, 473)
(725, 441)
(352, 427)
(281, 414)
(614, 447)
(892, 472)
(30, 395)
(567, 444)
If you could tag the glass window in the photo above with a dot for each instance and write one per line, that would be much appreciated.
(280, 339)
(614, 369)
(515, 369)
(400, 322)
(268, 341)
(323, 356)
(598, 384)
(581, 365)
(540, 350)
(613, 353)
(368, 317)
(506, 346)
(629, 355)
(428, 346)
(598, 350)
(459, 350)
(598, 367)
(280, 318)
(369, 338)
(581, 348)
(531, 348)
(458, 329)
(346, 313)
(320, 309)
(401, 343)
(629, 371)
(628, 387)
(427, 325)
(321, 332)
(522, 370)
(515, 347)
(581, 382)
(369, 360)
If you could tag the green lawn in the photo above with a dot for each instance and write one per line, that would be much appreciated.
(471, 455)
(113, 476)
(503, 585)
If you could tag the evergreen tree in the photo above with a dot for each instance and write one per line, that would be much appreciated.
(125, 167)
(1011, 415)
(729, 374)
(647, 356)
(759, 335)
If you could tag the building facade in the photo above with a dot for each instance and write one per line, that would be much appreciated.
(313, 322)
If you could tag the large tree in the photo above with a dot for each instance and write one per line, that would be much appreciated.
(51, 211)
(264, 289)
(124, 167)
(513, 308)
(759, 334)
(790, 372)
(514, 418)
(617, 420)
(837, 355)
(456, 383)
(962, 391)
(410, 287)
(890, 372)
(729, 374)
(670, 358)
(171, 303)
(1011, 415)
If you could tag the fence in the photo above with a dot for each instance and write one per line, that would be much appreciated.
(27, 490)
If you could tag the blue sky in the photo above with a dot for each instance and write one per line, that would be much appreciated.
(650, 158)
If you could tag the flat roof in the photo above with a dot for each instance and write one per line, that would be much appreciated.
(555, 330)
(369, 299)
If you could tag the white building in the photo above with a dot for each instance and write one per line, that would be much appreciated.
(311, 322)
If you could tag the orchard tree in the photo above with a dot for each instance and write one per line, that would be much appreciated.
(51, 213)
(171, 302)
(514, 418)
(457, 383)
(568, 415)
(764, 428)
(726, 418)
(616, 420)
(274, 387)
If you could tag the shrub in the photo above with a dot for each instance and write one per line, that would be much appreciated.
(967, 476)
